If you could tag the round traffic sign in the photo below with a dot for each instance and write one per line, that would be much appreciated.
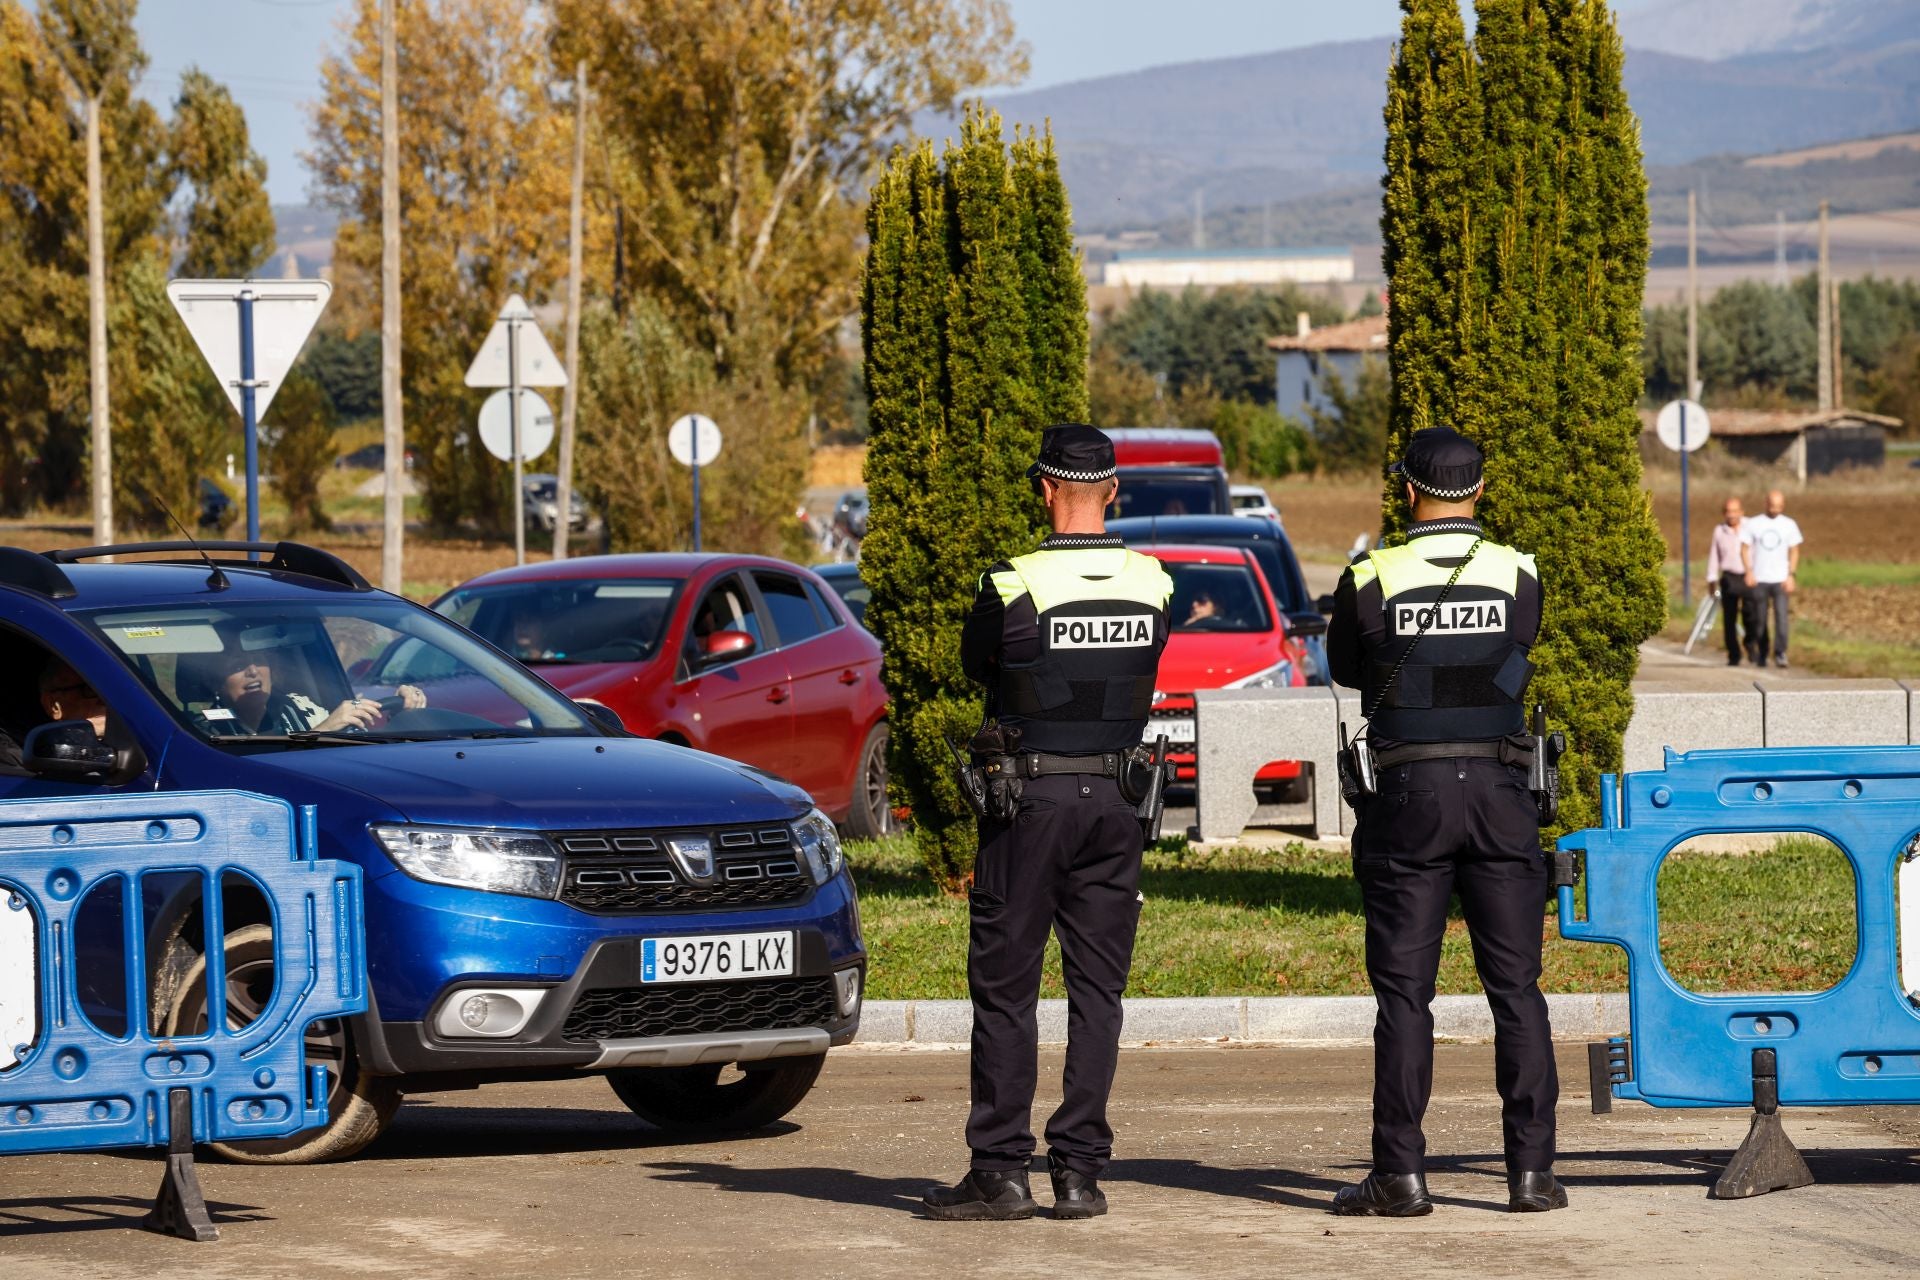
(1667, 425)
(496, 425)
(681, 438)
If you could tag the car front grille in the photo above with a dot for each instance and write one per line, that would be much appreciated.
(627, 1013)
(628, 872)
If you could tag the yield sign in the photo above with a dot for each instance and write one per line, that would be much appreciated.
(539, 367)
(284, 313)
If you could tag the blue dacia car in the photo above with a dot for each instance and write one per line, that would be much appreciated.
(545, 895)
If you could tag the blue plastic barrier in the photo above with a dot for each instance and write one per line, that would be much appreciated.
(76, 1087)
(1858, 1042)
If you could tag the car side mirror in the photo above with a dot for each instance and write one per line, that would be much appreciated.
(725, 646)
(604, 717)
(1306, 624)
(1325, 605)
(71, 751)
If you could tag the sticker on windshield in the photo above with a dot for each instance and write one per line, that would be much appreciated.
(143, 633)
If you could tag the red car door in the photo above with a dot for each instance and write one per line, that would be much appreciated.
(828, 672)
(744, 704)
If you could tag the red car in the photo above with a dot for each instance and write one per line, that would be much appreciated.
(1227, 633)
(746, 657)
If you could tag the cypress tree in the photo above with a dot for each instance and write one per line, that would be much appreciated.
(1516, 242)
(973, 322)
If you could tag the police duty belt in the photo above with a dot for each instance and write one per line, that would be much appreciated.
(1505, 750)
(1040, 764)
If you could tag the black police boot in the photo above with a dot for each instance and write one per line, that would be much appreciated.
(1075, 1195)
(1535, 1192)
(984, 1195)
(1385, 1195)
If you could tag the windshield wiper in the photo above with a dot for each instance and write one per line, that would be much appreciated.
(304, 738)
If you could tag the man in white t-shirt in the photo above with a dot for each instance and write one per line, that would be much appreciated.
(1770, 553)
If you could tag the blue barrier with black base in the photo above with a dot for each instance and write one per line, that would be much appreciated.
(1858, 1042)
(78, 1087)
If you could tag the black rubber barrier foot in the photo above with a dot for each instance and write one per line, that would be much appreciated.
(1767, 1160)
(179, 1209)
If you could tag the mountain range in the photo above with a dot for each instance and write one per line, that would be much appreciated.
(1707, 77)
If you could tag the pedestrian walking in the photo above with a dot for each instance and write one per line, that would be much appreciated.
(1770, 555)
(1726, 571)
(1436, 634)
(1067, 640)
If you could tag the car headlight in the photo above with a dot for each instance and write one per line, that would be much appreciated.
(496, 861)
(820, 846)
(1277, 676)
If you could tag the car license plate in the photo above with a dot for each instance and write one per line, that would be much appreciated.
(1177, 729)
(716, 957)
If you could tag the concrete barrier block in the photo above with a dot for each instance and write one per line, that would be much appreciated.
(942, 1021)
(1197, 1018)
(1913, 710)
(1310, 1018)
(1240, 730)
(1835, 713)
(883, 1022)
(1689, 719)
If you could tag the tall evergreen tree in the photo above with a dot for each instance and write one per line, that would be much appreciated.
(1515, 224)
(974, 329)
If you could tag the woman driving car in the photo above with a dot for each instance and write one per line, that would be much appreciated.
(245, 701)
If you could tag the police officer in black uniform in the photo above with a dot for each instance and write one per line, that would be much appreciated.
(1436, 634)
(1067, 640)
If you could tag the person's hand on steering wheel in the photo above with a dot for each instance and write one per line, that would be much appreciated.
(411, 698)
(353, 714)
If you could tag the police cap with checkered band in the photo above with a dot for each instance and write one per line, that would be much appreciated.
(1442, 463)
(1074, 451)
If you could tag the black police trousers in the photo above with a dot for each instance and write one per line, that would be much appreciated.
(1437, 826)
(1069, 861)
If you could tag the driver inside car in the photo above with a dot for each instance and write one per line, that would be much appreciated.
(245, 701)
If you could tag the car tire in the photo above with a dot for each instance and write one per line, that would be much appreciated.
(870, 815)
(693, 1099)
(359, 1106)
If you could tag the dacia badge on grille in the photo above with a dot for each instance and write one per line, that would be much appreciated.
(693, 855)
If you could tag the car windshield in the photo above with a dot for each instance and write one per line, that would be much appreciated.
(1166, 496)
(365, 669)
(1215, 597)
(853, 591)
(568, 620)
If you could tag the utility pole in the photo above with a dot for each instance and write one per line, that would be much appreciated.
(1780, 248)
(1821, 297)
(570, 397)
(393, 432)
(1693, 303)
(1200, 218)
(98, 407)
(1839, 369)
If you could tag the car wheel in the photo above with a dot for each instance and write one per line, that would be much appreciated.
(870, 816)
(689, 1099)
(359, 1106)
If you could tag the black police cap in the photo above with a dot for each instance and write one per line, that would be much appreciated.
(1074, 451)
(1442, 463)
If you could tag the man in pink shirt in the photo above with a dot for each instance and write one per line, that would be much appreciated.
(1728, 576)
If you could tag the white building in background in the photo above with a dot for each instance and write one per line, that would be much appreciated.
(1177, 268)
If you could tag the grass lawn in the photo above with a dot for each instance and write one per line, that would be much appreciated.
(1248, 922)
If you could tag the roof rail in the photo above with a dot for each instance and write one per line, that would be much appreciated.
(34, 572)
(288, 557)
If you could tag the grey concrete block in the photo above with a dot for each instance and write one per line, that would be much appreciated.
(941, 1021)
(1913, 710)
(1688, 719)
(1195, 1018)
(883, 1022)
(1240, 730)
(1309, 1018)
(1835, 713)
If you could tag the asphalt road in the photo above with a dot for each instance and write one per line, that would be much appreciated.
(1226, 1158)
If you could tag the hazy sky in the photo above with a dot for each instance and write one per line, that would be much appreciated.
(268, 51)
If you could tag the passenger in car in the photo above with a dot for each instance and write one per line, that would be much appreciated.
(245, 701)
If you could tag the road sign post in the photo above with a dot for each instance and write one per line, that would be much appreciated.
(250, 357)
(516, 355)
(694, 441)
(1683, 426)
